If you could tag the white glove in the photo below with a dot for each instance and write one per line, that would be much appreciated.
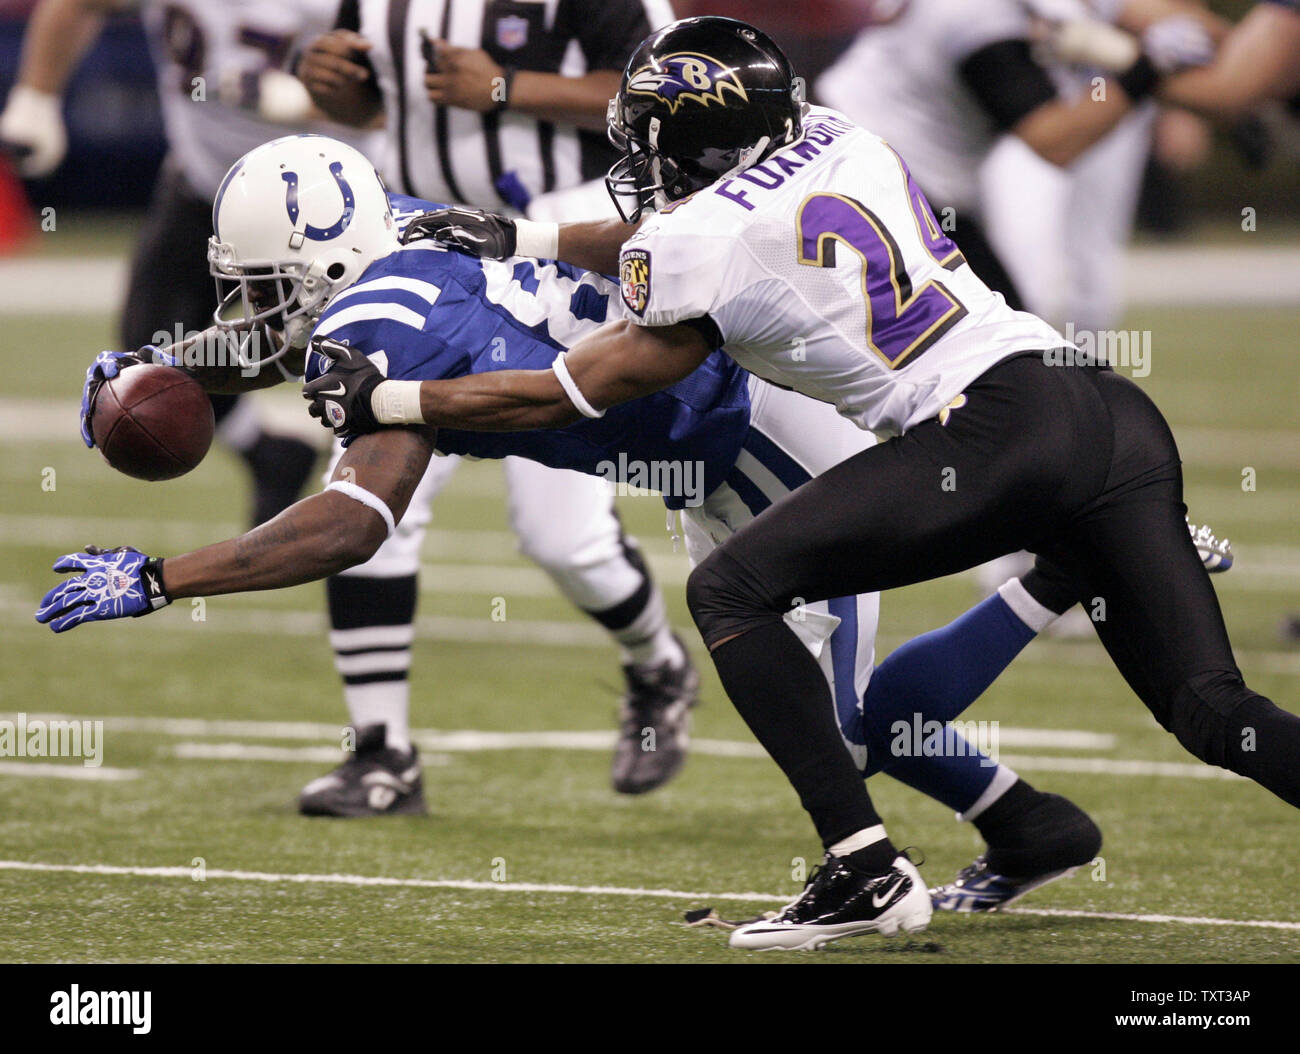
(1177, 43)
(1088, 42)
(32, 127)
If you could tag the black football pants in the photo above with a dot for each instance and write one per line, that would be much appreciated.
(1073, 463)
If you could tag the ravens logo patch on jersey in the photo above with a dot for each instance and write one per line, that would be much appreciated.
(634, 279)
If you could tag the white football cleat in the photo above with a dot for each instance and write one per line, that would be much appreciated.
(842, 901)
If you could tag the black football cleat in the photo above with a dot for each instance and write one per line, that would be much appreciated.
(654, 725)
(1052, 840)
(978, 887)
(374, 780)
(842, 901)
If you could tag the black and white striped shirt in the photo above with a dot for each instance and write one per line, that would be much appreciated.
(493, 160)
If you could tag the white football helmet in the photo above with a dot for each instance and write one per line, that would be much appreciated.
(294, 222)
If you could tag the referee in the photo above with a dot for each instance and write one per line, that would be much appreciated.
(498, 104)
(492, 104)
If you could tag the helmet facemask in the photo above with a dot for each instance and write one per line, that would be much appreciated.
(645, 178)
(283, 296)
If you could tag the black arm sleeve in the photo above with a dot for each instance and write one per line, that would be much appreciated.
(608, 31)
(1007, 80)
(349, 16)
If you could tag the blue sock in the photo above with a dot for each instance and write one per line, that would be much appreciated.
(934, 678)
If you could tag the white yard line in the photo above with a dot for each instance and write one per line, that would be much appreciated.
(49, 771)
(474, 742)
(263, 622)
(471, 740)
(1192, 274)
(1193, 770)
(298, 878)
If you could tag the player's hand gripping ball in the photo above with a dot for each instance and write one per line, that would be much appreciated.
(149, 419)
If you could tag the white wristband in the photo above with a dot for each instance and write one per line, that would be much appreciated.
(570, 387)
(371, 501)
(539, 240)
(397, 403)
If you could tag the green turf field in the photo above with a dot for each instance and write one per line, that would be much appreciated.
(209, 799)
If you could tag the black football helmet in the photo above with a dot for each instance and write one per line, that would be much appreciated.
(700, 99)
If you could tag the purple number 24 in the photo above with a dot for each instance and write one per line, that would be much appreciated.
(902, 323)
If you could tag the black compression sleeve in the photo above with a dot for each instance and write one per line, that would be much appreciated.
(706, 328)
(1008, 81)
(349, 16)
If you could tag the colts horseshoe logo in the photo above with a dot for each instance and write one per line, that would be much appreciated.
(321, 234)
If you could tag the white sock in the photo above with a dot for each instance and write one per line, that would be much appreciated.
(1024, 606)
(859, 840)
(384, 703)
(648, 639)
(1003, 780)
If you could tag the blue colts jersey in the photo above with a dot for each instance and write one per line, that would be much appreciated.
(426, 313)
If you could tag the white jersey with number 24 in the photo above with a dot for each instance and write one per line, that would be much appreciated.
(825, 270)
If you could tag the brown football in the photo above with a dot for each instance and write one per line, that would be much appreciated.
(152, 422)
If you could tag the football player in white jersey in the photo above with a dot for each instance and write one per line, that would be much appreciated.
(197, 47)
(493, 104)
(799, 243)
(943, 89)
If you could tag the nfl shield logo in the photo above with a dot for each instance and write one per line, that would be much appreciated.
(512, 32)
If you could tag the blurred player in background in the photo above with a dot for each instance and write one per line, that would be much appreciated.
(943, 88)
(1260, 60)
(1036, 179)
(219, 79)
(501, 105)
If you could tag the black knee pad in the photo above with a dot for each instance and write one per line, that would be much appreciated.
(724, 599)
(1201, 709)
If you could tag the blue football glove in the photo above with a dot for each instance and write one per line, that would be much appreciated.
(113, 583)
(107, 365)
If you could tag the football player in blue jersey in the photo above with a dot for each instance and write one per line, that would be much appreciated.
(308, 238)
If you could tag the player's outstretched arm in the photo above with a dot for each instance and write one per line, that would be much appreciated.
(1260, 60)
(592, 245)
(315, 538)
(618, 362)
(208, 357)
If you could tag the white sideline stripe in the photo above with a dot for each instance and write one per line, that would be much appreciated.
(259, 752)
(40, 286)
(562, 889)
(472, 742)
(1153, 274)
(1121, 916)
(1208, 274)
(473, 739)
(31, 419)
(43, 770)
(1194, 770)
(446, 542)
(264, 622)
